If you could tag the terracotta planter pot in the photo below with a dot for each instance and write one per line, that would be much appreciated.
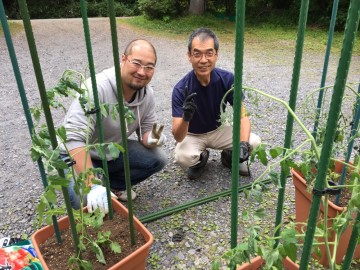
(257, 262)
(303, 201)
(135, 261)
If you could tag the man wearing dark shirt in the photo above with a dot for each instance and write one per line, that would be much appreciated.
(196, 100)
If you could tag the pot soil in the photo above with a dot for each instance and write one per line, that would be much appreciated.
(257, 263)
(303, 201)
(55, 256)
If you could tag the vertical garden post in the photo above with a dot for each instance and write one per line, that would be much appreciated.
(24, 102)
(122, 117)
(47, 112)
(335, 106)
(292, 105)
(238, 95)
(96, 99)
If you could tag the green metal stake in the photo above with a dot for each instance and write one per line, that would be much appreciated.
(40, 81)
(122, 118)
(213, 197)
(352, 244)
(354, 127)
(292, 104)
(336, 101)
(326, 64)
(96, 100)
(238, 94)
(24, 102)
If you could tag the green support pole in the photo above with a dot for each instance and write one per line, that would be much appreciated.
(24, 102)
(335, 106)
(292, 105)
(352, 244)
(96, 99)
(177, 208)
(122, 118)
(354, 127)
(326, 64)
(49, 122)
(238, 94)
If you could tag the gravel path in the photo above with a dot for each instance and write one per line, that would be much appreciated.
(60, 44)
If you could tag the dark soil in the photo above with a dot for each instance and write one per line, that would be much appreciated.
(345, 196)
(57, 255)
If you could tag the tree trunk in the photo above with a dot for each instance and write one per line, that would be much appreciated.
(197, 7)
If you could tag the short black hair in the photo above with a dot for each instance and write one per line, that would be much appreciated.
(203, 34)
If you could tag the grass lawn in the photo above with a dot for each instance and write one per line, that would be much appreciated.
(262, 34)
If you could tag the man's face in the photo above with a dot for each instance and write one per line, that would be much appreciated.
(203, 57)
(138, 68)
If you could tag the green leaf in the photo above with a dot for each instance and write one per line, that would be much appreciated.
(261, 154)
(115, 247)
(50, 195)
(98, 252)
(275, 152)
(215, 266)
(34, 154)
(85, 265)
(61, 132)
(260, 213)
(104, 108)
(58, 180)
(245, 215)
(59, 164)
(100, 150)
(114, 151)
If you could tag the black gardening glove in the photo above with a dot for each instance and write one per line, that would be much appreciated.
(189, 106)
(244, 151)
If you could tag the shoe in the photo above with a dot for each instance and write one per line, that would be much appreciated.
(197, 170)
(244, 169)
(226, 159)
(122, 195)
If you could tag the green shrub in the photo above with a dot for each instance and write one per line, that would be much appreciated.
(162, 9)
(44, 9)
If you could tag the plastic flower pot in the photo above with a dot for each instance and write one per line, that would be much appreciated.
(303, 201)
(257, 262)
(134, 261)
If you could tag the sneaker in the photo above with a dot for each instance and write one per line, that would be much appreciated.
(226, 159)
(197, 170)
(122, 195)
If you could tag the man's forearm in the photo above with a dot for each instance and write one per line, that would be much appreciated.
(245, 129)
(179, 129)
(83, 161)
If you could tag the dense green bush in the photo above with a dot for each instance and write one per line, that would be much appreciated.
(44, 9)
(163, 9)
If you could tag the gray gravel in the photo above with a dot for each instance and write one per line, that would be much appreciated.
(60, 44)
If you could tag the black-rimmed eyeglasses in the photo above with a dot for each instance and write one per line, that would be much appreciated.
(199, 55)
(136, 64)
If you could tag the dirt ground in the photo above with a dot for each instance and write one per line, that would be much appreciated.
(61, 45)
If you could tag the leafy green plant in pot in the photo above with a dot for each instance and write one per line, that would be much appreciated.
(97, 248)
(274, 157)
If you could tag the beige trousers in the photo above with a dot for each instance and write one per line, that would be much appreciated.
(187, 153)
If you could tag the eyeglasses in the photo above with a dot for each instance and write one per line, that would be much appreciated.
(136, 64)
(199, 55)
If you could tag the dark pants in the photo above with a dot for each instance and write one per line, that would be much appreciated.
(143, 163)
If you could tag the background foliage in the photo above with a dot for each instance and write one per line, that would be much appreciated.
(258, 11)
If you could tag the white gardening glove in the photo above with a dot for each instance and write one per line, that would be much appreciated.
(156, 137)
(97, 199)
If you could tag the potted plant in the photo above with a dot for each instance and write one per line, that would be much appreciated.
(89, 227)
(327, 236)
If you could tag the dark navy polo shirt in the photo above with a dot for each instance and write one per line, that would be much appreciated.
(208, 99)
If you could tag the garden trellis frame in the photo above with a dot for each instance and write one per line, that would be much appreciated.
(343, 67)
